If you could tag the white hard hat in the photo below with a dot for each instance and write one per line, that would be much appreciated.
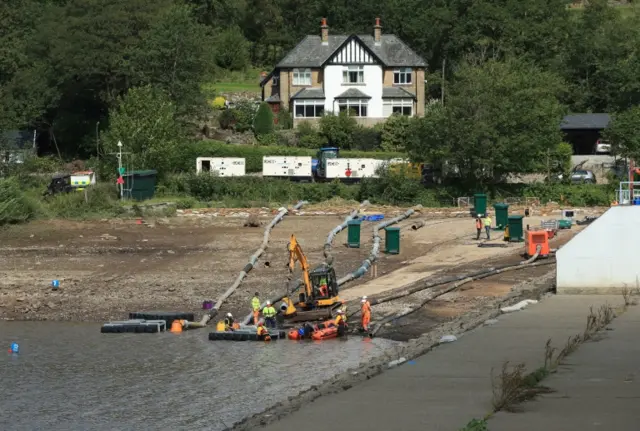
(364, 297)
(229, 315)
(340, 311)
(268, 302)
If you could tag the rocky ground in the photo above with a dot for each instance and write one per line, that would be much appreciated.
(108, 268)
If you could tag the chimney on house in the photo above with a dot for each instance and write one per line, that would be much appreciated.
(324, 32)
(377, 32)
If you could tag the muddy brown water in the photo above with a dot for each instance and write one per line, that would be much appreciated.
(69, 376)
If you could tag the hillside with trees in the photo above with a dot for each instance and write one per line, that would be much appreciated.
(136, 68)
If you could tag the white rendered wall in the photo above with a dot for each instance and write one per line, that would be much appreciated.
(604, 257)
(372, 87)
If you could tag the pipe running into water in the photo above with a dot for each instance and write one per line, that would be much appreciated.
(247, 268)
(327, 255)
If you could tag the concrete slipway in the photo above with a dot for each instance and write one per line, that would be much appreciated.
(444, 389)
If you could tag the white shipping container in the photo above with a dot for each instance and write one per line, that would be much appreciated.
(221, 166)
(353, 168)
(285, 166)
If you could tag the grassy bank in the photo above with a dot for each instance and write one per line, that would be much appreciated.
(22, 199)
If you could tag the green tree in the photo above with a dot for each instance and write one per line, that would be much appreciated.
(498, 117)
(145, 122)
(601, 64)
(263, 123)
(231, 49)
(175, 55)
(623, 133)
(338, 129)
(395, 133)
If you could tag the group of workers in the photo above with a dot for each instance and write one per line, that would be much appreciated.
(269, 321)
(483, 221)
(268, 312)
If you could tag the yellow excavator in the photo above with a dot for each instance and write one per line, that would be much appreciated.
(320, 296)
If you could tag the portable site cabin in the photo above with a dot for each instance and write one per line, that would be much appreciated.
(221, 166)
(285, 166)
(353, 168)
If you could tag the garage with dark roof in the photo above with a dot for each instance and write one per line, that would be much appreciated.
(582, 131)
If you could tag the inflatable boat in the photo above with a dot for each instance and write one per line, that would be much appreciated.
(299, 333)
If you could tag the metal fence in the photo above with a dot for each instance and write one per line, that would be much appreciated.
(624, 195)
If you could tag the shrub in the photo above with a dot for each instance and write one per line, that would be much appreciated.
(218, 103)
(395, 133)
(243, 115)
(338, 129)
(186, 203)
(263, 124)
(102, 201)
(226, 119)
(285, 120)
(309, 137)
(15, 206)
(366, 139)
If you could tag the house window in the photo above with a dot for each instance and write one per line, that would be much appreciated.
(353, 75)
(402, 76)
(275, 81)
(309, 108)
(301, 76)
(356, 107)
(397, 106)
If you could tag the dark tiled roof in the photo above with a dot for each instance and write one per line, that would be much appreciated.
(396, 93)
(274, 98)
(353, 93)
(310, 52)
(585, 122)
(309, 93)
(393, 52)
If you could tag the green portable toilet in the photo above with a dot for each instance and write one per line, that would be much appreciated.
(502, 215)
(392, 240)
(480, 203)
(516, 232)
(353, 233)
(140, 185)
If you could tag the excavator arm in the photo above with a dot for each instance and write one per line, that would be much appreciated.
(296, 254)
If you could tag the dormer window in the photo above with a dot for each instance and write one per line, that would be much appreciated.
(301, 76)
(402, 76)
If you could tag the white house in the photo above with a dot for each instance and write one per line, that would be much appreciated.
(370, 76)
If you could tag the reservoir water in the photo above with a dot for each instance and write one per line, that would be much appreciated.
(68, 376)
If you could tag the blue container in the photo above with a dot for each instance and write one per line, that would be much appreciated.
(55, 284)
(636, 201)
(14, 348)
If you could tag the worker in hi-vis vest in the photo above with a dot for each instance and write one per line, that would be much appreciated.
(255, 307)
(269, 314)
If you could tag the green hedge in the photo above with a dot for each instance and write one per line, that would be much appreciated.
(391, 189)
(253, 154)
